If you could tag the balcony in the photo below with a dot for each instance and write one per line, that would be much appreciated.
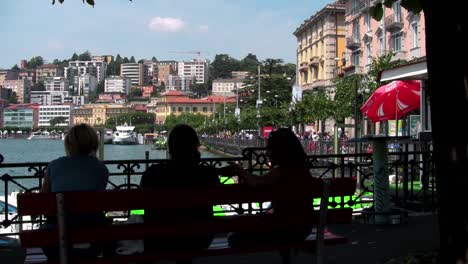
(303, 66)
(393, 22)
(314, 61)
(352, 70)
(353, 42)
(399, 55)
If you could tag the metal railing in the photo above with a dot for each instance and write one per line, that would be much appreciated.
(411, 170)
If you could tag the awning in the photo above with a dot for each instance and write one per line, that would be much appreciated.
(412, 71)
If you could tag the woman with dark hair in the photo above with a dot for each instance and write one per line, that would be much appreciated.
(288, 171)
(182, 170)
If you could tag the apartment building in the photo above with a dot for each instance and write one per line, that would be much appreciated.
(21, 116)
(135, 72)
(163, 73)
(173, 63)
(180, 82)
(117, 84)
(197, 68)
(48, 70)
(8, 75)
(29, 75)
(320, 40)
(48, 97)
(226, 87)
(49, 112)
(20, 87)
(86, 85)
(56, 84)
(106, 58)
(177, 102)
(80, 68)
(399, 31)
(151, 69)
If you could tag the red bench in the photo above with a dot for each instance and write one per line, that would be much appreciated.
(124, 200)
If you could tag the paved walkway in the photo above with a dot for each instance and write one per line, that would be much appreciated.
(369, 244)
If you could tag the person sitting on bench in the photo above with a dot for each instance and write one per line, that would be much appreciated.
(288, 170)
(79, 170)
(182, 170)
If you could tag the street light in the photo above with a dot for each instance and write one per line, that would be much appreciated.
(276, 101)
(259, 103)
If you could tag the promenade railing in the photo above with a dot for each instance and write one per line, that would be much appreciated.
(411, 173)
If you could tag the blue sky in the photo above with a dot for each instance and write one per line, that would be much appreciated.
(146, 28)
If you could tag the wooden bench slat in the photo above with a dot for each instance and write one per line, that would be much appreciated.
(39, 238)
(122, 200)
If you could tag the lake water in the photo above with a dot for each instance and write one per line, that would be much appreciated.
(23, 150)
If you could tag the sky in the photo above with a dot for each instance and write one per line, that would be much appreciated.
(147, 28)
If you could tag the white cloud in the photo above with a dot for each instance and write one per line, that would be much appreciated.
(203, 28)
(54, 45)
(166, 24)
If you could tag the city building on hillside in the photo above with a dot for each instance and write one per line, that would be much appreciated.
(163, 73)
(197, 68)
(20, 87)
(151, 69)
(112, 97)
(29, 75)
(8, 75)
(3, 105)
(98, 114)
(21, 116)
(86, 85)
(399, 31)
(5, 93)
(180, 82)
(48, 97)
(74, 100)
(173, 63)
(56, 84)
(23, 64)
(73, 74)
(94, 68)
(49, 112)
(135, 72)
(117, 84)
(320, 41)
(176, 103)
(240, 74)
(226, 87)
(48, 70)
(106, 58)
(147, 91)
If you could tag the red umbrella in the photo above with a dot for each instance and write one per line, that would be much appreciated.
(393, 101)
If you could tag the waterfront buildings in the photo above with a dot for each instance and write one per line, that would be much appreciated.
(21, 116)
(176, 103)
(49, 112)
(135, 72)
(117, 84)
(320, 40)
(197, 68)
(98, 114)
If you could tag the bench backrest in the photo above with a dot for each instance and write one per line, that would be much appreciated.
(123, 200)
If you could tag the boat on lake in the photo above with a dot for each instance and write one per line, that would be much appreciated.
(124, 135)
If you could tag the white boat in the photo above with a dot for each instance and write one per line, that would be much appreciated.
(41, 135)
(124, 135)
(108, 136)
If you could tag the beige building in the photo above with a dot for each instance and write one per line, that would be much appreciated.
(135, 72)
(8, 75)
(226, 87)
(321, 41)
(163, 73)
(20, 87)
(48, 70)
(176, 103)
(106, 58)
(98, 114)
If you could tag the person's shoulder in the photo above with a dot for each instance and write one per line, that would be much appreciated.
(58, 161)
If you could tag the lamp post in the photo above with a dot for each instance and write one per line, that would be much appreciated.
(259, 103)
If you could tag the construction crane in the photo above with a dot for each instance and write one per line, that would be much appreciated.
(188, 52)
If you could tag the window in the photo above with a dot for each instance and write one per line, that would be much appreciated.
(355, 58)
(414, 34)
(173, 109)
(381, 44)
(395, 41)
(187, 109)
(368, 22)
(180, 109)
(396, 11)
(205, 109)
(369, 53)
(355, 29)
(194, 109)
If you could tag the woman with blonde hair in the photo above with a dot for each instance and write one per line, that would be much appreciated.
(79, 170)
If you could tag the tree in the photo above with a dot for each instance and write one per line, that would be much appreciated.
(74, 57)
(451, 161)
(35, 62)
(271, 66)
(154, 59)
(223, 65)
(38, 86)
(132, 59)
(249, 63)
(134, 92)
(85, 56)
(15, 67)
(125, 60)
(57, 120)
(12, 98)
(141, 61)
(200, 89)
